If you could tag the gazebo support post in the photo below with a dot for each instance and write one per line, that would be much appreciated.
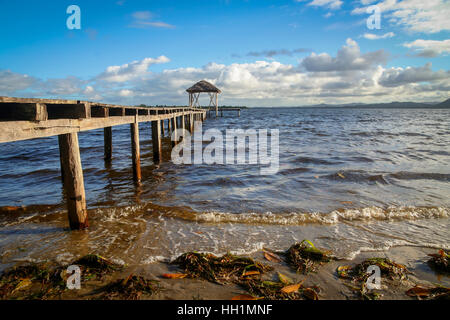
(217, 104)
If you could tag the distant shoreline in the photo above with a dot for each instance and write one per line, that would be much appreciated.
(389, 105)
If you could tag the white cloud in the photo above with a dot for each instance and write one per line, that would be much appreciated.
(349, 76)
(348, 58)
(142, 15)
(143, 19)
(11, 82)
(126, 93)
(68, 86)
(429, 48)
(332, 4)
(428, 16)
(372, 36)
(156, 24)
(131, 70)
(395, 77)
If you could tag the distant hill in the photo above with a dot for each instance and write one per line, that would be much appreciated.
(390, 105)
(445, 104)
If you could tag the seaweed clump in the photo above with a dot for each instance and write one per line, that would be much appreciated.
(41, 280)
(228, 268)
(94, 266)
(305, 257)
(131, 288)
(359, 275)
(435, 293)
(284, 289)
(440, 261)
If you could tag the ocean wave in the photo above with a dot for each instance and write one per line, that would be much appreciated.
(334, 217)
(405, 175)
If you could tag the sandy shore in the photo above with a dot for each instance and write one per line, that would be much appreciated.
(332, 288)
(326, 278)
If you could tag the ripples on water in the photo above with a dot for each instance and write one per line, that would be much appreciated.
(349, 179)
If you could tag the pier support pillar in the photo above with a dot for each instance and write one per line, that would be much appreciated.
(174, 130)
(162, 128)
(108, 143)
(73, 180)
(169, 126)
(156, 141)
(135, 152)
(191, 123)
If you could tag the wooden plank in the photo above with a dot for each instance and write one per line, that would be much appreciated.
(131, 112)
(107, 135)
(117, 112)
(99, 112)
(11, 131)
(69, 111)
(34, 100)
(74, 102)
(73, 181)
(135, 151)
(156, 141)
(23, 111)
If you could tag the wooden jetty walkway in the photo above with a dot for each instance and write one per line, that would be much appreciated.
(23, 119)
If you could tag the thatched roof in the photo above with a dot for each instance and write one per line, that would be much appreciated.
(203, 86)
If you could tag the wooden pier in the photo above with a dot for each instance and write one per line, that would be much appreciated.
(23, 119)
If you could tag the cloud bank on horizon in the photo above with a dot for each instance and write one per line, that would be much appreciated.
(346, 76)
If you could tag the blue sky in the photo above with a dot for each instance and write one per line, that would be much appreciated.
(321, 51)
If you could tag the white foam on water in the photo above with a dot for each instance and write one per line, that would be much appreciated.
(299, 218)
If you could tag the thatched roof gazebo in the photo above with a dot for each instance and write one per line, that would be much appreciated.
(204, 86)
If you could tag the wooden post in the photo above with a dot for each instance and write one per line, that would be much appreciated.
(186, 121)
(191, 123)
(156, 141)
(61, 160)
(135, 151)
(169, 125)
(73, 180)
(107, 133)
(162, 128)
(174, 130)
(217, 104)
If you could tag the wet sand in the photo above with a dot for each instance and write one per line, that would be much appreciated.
(332, 288)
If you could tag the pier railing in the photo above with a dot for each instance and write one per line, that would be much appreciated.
(24, 118)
